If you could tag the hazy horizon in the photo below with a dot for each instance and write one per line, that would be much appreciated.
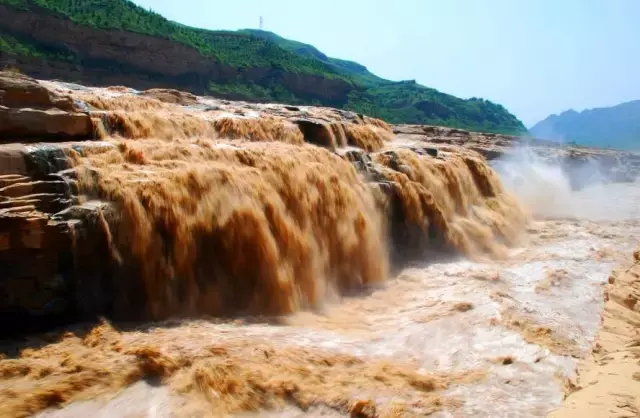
(534, 57)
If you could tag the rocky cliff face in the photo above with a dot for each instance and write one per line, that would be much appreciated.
(115, 42)
(112, 57)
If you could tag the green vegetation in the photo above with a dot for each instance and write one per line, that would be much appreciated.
(11, 45)
(396, 102)
(247, 90)
(352, 70)
(18, 4)
(235, 49)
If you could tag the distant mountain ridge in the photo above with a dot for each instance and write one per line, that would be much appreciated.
(607, 127)
(115, 42)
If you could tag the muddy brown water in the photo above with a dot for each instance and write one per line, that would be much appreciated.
(522, 323)
(496, 336)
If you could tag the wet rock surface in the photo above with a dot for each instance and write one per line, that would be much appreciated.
(21, 91)
(582, 164)
(30, 111)
(37, 250)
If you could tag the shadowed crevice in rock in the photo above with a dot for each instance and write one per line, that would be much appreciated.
(317, 133)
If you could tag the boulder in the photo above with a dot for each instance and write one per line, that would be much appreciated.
(18, 91)
(359, 159)
(31, 111)
(16, 124)
(171, 96)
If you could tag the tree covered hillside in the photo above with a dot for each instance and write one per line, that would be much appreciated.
(284, 60)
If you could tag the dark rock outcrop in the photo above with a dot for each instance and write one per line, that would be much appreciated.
(35, 251)
(52, 250)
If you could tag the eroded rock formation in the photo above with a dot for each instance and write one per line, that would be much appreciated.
(161, 203)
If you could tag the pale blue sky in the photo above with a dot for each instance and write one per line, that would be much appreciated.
(536, 57)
